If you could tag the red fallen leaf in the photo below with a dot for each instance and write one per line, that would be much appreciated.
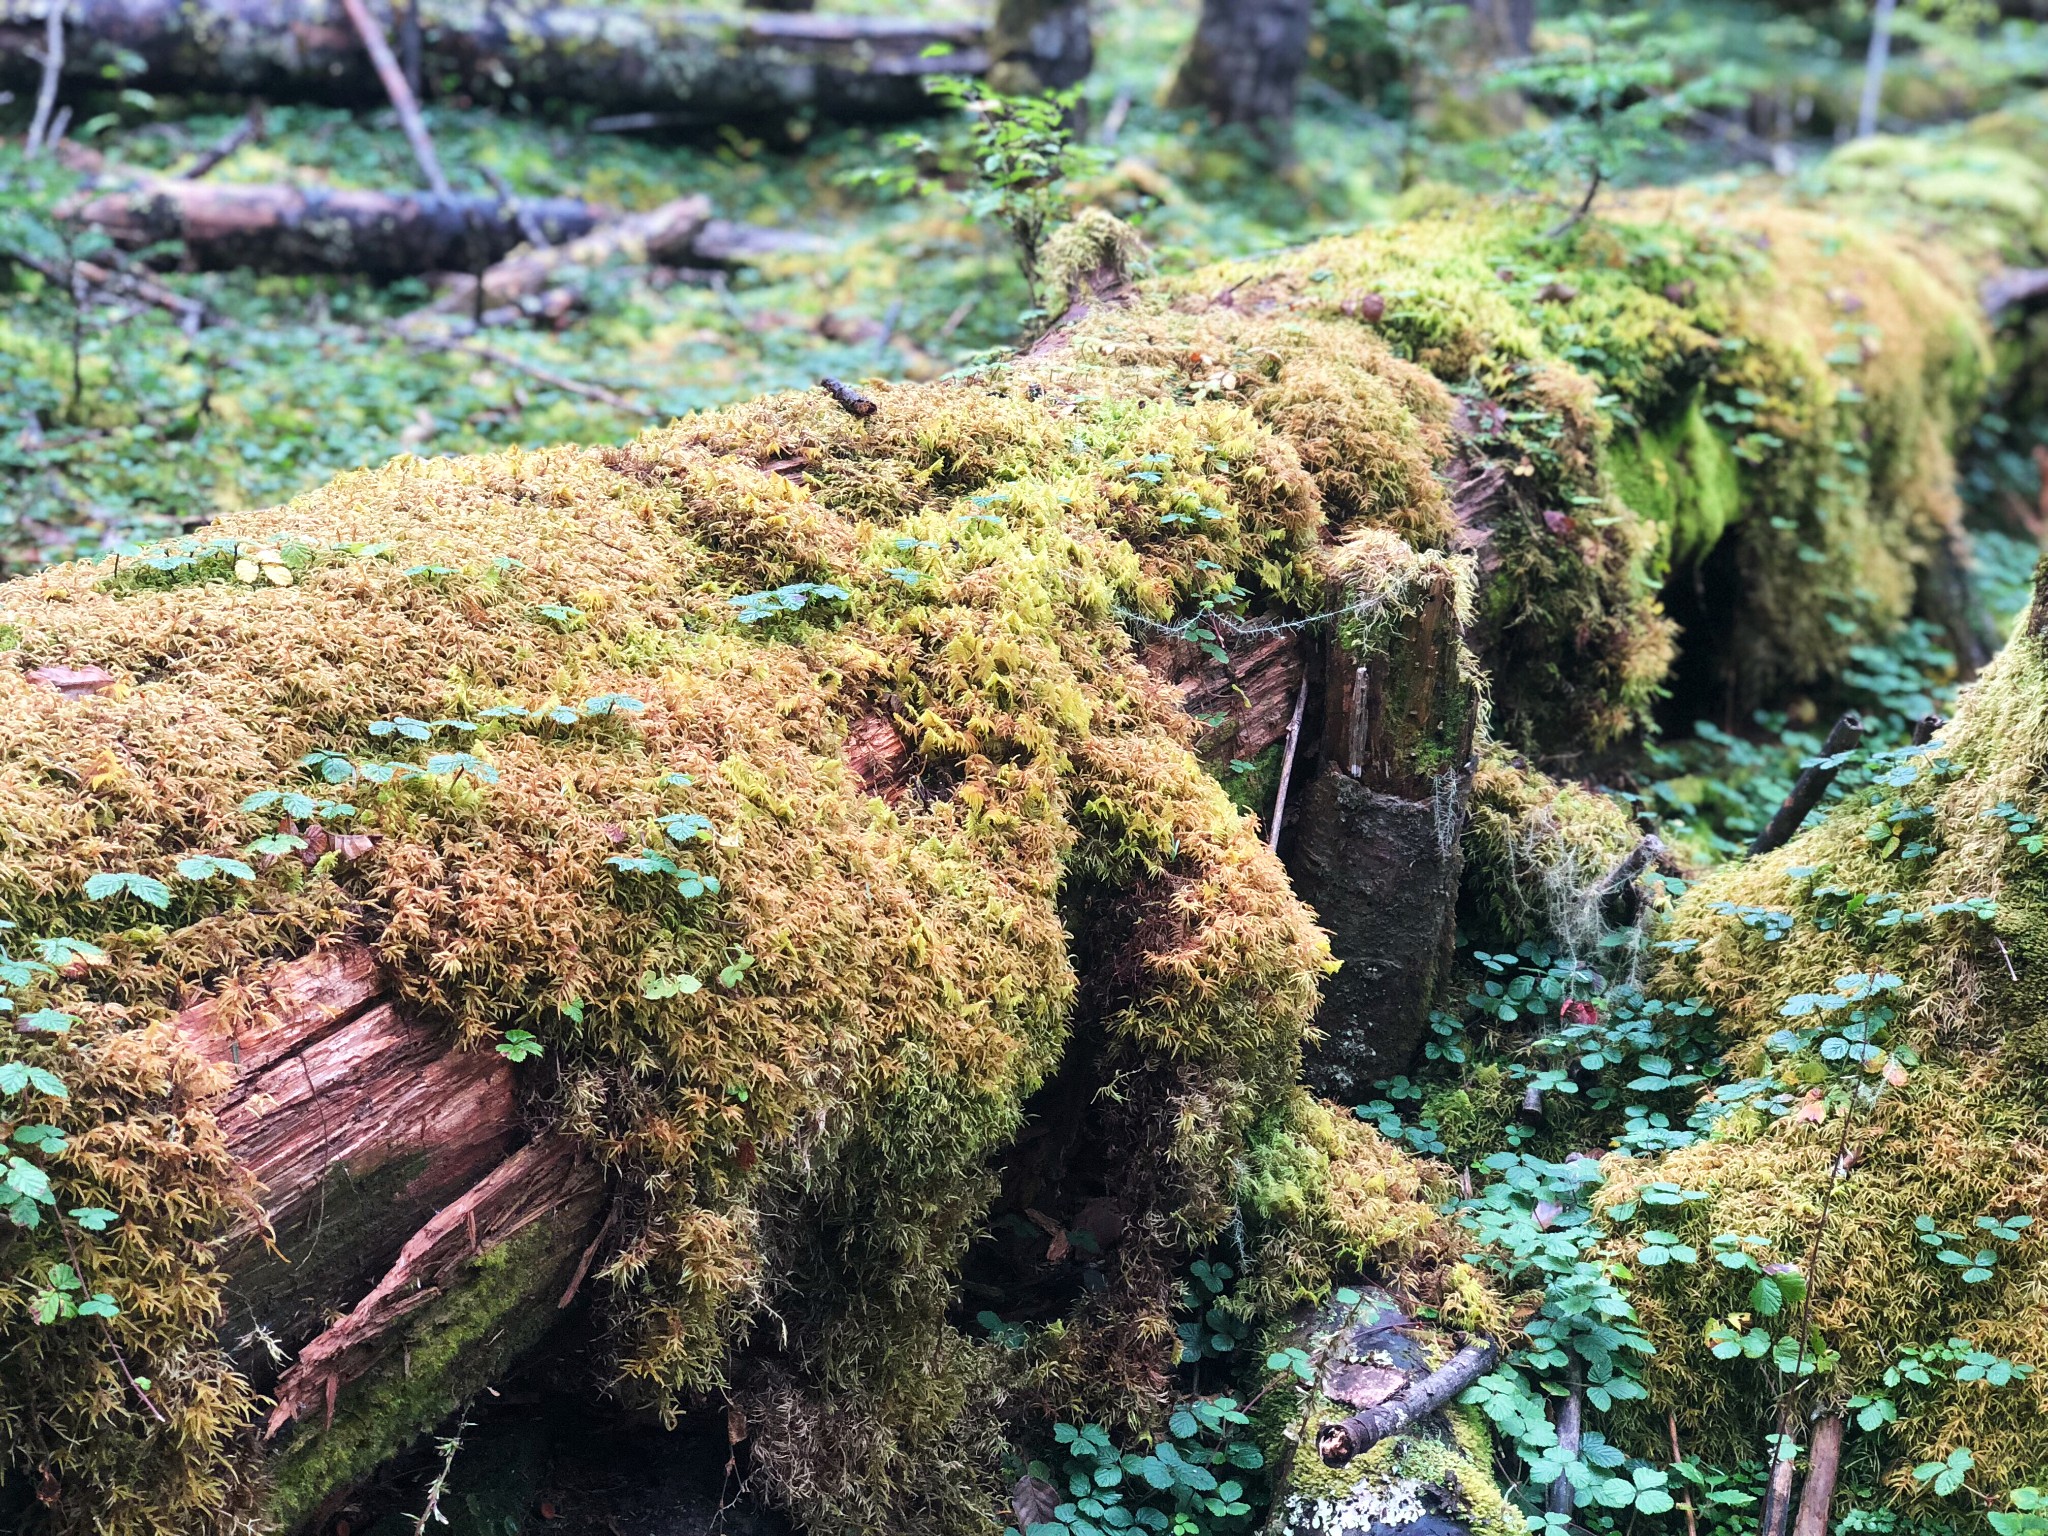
(547, 1510)
(1033, 1501)
(1812, 1109)
(614, 834)
(353, 845)
(735, 1424)
(1680, 292)
(1558, 523)
(1556, 293)
(74, 682)
(1369, 307)
(1573, 1011)
(1545, 1213)
(745, 1155)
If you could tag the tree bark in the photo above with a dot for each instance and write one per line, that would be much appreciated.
(1244, 66)
(382, 235)
(1039, 45)
(1824, 1461)
(693, 68)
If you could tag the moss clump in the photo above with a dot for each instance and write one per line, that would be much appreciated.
(1534, 849)
(1956, 1130)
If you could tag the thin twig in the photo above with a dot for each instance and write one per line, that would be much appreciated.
(1585, 207)
(1287, 765)
(400, 93)
(127, 284)
(249, 128)
(440, 1484)
(1692, 1525)
(547, 376)
(529, 226)
(46, 92)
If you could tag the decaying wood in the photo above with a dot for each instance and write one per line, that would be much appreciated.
(1808, 788)
(544, 1178)
(666, 235)
(1338, 1443)
(356, 1121)
(274, 228)
(696, 67)
(1823, 1462)
(1777, 1511)
(1560, 1498)
(1249, 696)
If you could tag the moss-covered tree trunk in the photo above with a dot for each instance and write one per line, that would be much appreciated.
(754, 860)
(685, 67)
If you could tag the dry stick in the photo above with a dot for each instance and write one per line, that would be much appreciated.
(1585, 207)
(127, 284)
(1287, 765)
(400, 93)
(250, 127)
(1824, 1461)
(46, 92)
(547, 376)
(1811, 784)
(1692, 1525)
(1338, 1443)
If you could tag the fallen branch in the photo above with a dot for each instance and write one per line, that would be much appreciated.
(128, 285)
(46, 88)
(274, 228)
(1811, 784)
(1692, 1524)
(249, 128)
(666, 234)
(400, 93)
(698, 68)
(1338, 1443)
(536, 372)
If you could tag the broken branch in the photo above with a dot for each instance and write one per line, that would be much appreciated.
(400, 93)
(1811, 784)
(1338, 1443)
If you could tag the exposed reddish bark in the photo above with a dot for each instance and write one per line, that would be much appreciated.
(1254, 690)
(545, 1178)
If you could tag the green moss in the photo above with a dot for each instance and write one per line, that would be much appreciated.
(1956, 1132)
(452, 1349)
(1682, 476)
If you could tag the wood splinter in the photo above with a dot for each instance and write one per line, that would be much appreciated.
(1338, 1443)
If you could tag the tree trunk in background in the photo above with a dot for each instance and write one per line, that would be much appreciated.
(1245, 65)
(1507, 28)
(690, 68)
(1039, 45)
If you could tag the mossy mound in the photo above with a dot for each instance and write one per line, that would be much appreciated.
(1927, 947)
(1534, 850)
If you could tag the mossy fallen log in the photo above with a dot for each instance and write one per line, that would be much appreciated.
(680, 66)
(779, 799)
(1926, 1120)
